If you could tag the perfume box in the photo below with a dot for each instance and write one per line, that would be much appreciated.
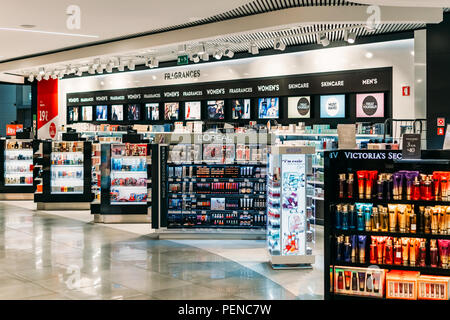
(433, 288)
(359, 281)
(402, 284)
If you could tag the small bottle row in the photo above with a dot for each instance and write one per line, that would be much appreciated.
(137, 164)
(18, 145)
(393, 218)
(393, 284)
(69, 174)
(129, 150)
(66, 159)
(390, 250)
(191, 220)
(187, 204)
(18, 168)
(400, 185)
(141, 182)
(67, 189)
(216, 172)
(121, 196)
(217, 187)
(65, 146)
(20, 156)
(19, 180)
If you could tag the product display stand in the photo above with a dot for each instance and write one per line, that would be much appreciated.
(16, 171)
(290, 223)
(126, 181)
(387, 225)
(212, 185)
(66, 175)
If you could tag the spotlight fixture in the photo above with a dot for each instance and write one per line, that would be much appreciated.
(39, 77)
(229, 53)
(205, 56)
(91, 69)
(323, 40)
(218, 54)
(109, 67)
(350, 37)
(154, 63)
(78, 72)
(47, 76)
(253, 49)
(121, 66)
(41, 71)
(100, 68)
(55, 75)
(196, 58)
(31, 77)
(131, 65)
(68, 70)
(278, 45)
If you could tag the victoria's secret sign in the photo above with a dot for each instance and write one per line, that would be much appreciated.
(368, 80)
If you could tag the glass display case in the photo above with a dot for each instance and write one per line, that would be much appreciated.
(129, 174)
(67, 167)
(290, 223)
(18, 163)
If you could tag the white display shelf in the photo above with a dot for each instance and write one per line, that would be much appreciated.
(131, 187)
(68, 192)
(19, 173)
(358, 136)
(69, 153)
(68, 165)
(315, 198)
(129, 172)
(17, 184)
(128, 202)
(315, 182)
(19, 150)
(12, 160)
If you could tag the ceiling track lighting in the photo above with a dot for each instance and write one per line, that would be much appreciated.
(109, 67)
(323, 40)
(41, 71)
(154, 63)
(205, 56)
(100, 69)
(278, 45)
(78, 72)
(91, 69)
(31, 77)
(47, 76)
(131, 65)
(350, 37)
(196, 58)
(39, 77)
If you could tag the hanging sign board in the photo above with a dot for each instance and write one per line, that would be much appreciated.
(411, 146)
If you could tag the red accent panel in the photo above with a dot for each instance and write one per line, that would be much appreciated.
(47, 96)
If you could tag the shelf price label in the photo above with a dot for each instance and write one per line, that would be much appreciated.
(411, 146)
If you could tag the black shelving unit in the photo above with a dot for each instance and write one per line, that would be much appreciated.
(108, 206)
(384, 161)
(49, 196)
(21, 156)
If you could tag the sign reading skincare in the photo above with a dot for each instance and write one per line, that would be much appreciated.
(332, 106)
(370, 105)
(299, 107)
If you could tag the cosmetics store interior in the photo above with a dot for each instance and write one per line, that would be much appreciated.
(249, 153)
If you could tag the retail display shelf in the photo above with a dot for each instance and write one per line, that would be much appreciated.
(19, 173)
(216, 195)
(60, 192)
(194, 179)
(68, 165)
(315, 198)
(393, 234)
(125, 203)
(315, 182)
(18, 184)
(298, 134)
(206, 211)
(424, 270)
(198, 226)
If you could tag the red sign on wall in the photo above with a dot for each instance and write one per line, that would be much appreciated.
(441, 122)
(11, 129)
(406, 91)
(440, 131)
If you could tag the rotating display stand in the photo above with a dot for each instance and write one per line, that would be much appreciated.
(290, 224)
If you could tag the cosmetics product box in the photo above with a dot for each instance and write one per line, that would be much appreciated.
(402, 284)
(354, 281)
(433, 288)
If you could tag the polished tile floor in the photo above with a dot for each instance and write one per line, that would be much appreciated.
(48, 256)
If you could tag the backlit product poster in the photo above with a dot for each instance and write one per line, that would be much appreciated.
(86, 113)
(299, 107)
(152, 111)
(370, 105)
(268, 108)
(101, 113)
(192, 110)
(332, 106)
(171, 110)
(293, 239)
(117, 112)
(134, 112)
(216, 109)
(73, 114)
(240, 109)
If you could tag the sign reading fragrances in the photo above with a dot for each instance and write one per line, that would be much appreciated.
(182, 75)
(370, 105)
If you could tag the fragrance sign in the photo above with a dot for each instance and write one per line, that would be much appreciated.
(11, 129)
